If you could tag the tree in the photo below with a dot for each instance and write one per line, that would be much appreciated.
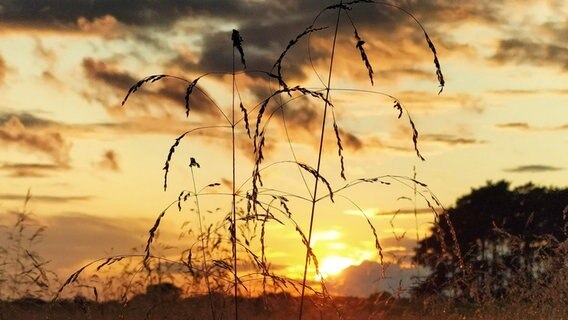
(505, 237)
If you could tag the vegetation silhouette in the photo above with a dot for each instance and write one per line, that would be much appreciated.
(511, 239)
(256, 203)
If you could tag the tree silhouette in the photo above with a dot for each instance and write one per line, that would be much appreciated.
(506, 237)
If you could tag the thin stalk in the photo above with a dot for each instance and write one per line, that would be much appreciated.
(415, 213)
(205, 269)
(234, 222)
(314, 198)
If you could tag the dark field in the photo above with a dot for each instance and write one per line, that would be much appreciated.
(277, 306)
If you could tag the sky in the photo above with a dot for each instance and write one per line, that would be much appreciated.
(94, 167)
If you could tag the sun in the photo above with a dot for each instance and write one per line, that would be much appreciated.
(333, 265)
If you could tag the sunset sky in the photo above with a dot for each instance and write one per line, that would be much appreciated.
(94, 167)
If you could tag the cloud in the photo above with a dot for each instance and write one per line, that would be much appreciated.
(29, 170)
(163, 100)
(99, 70)
(449, 139)
(522, 92)
(515, 125)
(109, 161)
(533, 53)
(406, 243)
(381, 27)
(61, 15)
(15, 134)
(3, 70)
(367, 278)
(536, 168)
(44, 198)
(27, 119)
(106, 25)
(409, 211)
(91, 237)
(523, 126)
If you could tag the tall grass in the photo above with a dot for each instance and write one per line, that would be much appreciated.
(254, 204)
(23, 271)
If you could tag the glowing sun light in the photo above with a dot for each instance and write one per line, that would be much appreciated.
(333, 265)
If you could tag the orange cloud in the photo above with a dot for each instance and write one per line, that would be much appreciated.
(3, 70)
(106, 25)
(53, 144)
(109, 161)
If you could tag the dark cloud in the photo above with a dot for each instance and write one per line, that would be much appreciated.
(170, 90)
(262, 46)
(350, 140)
(536, 168)
(15, 134)
(109, 161)
(533, 53)
(303, 115)
(450, 11)
(303, 118)
(381, 27)
(449, 139)
(29, 170)
(199, 102)
(106, 73)
(44, 198)
(165, 12)
(27, 119)
(62, 13)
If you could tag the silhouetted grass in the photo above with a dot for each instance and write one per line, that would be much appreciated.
(229, 242)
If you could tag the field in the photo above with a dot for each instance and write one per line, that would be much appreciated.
(274, 177)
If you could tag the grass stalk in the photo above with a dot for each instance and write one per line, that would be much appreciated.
(320, 151)
(234, 203)
(205, 269)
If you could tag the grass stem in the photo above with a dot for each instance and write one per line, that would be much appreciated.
(205, 269)
(316, 183)
(234, 203)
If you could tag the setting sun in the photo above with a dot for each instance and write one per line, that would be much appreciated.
(333, 265)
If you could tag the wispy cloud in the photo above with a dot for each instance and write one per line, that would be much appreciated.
(524, 126)
(451, 140)
(107, 26)
(523, 92)
(29, 170)
(533, 53)
(109, 161)
(161, 100)
(92, 237)
(15, 134)
(3, 70)
(515, 125)
(44, 198)
(535, 168)
(108, 74)
(27, 119)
